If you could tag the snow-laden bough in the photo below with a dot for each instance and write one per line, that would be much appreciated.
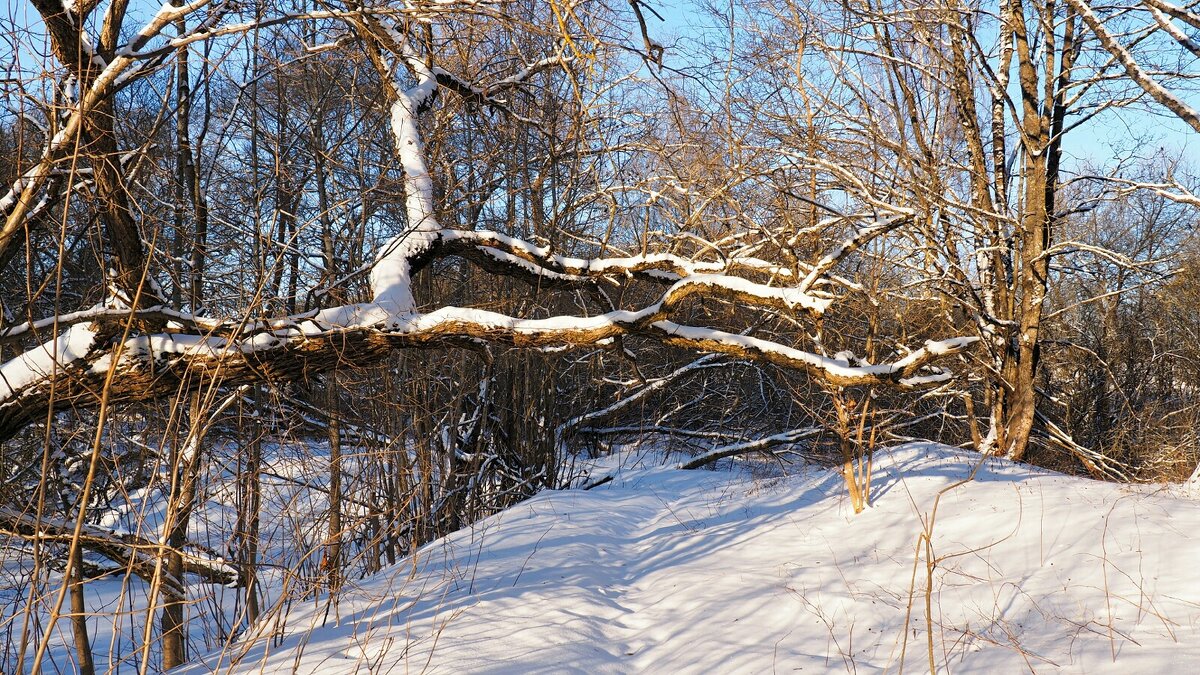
(142, 353)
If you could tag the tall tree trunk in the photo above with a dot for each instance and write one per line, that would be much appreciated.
(333, 542)
(185, 466)
(249, 507)
(1043, 114)
(79, 614)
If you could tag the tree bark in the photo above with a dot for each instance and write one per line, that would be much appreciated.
(79, 614)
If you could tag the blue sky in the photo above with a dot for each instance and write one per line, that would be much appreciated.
(1144, 131)
(1115, 136)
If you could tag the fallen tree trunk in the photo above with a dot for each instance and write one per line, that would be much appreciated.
(126, 551)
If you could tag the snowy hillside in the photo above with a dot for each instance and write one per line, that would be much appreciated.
(671, 571)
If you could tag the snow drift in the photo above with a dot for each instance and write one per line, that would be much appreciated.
(663, 570)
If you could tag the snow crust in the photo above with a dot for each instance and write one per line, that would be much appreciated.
(700, 572)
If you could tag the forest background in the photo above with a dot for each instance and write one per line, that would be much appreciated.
(450, 248)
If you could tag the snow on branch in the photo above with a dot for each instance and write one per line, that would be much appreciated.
(1175, 192)
(661, 266)
(85, 357)
(489, 94)
(70, 369)
(656, 384)
(861, 237)
(745, 447)
(97, 84)
(763, 445)
(1133, 69)
(1175, 11)
(902, 374)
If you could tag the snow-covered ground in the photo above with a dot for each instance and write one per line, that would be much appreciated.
(671, 571)
(293, 500)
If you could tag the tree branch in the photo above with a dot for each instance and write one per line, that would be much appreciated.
(129, 551)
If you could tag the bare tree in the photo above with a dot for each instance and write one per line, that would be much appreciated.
(959, 113)
(315, 304)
